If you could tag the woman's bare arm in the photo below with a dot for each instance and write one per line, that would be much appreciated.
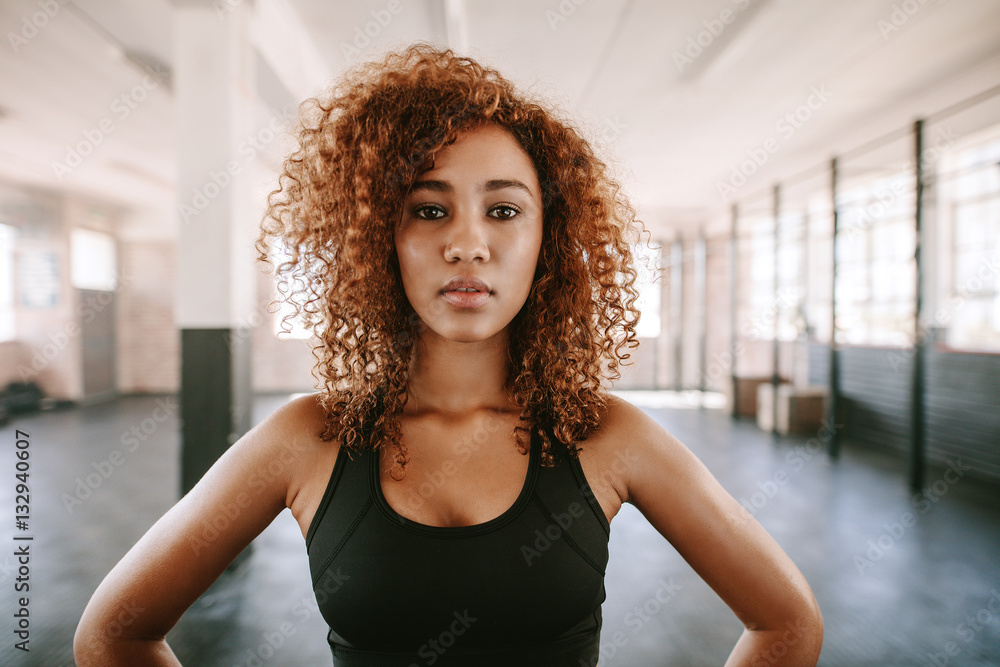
(144, 595)
(724, 544)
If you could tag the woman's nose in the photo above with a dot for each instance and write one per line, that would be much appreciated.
(467, 239)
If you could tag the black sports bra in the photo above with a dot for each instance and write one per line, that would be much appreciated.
(524, 588)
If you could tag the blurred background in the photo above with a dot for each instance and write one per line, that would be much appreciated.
(821, 303)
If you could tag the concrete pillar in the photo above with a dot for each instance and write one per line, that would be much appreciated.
(775, 319)
(677, 312)
(834, 404)
(734, 278)
(218, 219)
(917, 462)
(701, 307)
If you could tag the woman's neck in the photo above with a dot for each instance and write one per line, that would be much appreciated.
(457, 379)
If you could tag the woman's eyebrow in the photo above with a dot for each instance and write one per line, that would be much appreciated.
(502, 184)
(432, 186)
(488, 186)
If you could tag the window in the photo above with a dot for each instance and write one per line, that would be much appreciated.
(819, 271)
(970, 207)
(876, 270)
(298, 328)
(791, 276)
(762, 297)
(8, 329)
(649, 283)
(94, 262)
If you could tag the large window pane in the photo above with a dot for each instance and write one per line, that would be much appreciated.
(8, 329)
(94, 260)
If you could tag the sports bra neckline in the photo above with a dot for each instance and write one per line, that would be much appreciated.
(511, 513)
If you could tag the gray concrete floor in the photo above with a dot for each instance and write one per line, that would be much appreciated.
(893, 592)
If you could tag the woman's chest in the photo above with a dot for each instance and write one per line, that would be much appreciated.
(471, 476)
(462, 476)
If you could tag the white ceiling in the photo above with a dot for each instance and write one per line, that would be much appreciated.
(672, 132)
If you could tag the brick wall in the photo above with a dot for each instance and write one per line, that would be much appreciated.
(148, 338)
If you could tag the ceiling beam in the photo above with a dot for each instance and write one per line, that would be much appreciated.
(456, 25)
(278, 34)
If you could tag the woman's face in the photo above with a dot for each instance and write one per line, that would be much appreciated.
(475, 216)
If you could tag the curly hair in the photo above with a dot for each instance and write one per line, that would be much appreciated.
(360, 148)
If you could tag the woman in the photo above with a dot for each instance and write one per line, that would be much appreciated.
(465, 261)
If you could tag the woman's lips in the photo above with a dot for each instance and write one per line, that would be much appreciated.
(466, 299)
(468, 281)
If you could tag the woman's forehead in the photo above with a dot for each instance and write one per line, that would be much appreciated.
(487, 151)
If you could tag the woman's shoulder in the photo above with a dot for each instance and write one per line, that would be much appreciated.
(623, 422)
(626, 437)
(304, 409)
(297, 452)
(296, 417)
(610, 451)
(292, 435)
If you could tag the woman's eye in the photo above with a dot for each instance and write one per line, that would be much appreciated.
(504, 211)
(429, 212)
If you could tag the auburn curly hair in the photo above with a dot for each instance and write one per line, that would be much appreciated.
(339, 197)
